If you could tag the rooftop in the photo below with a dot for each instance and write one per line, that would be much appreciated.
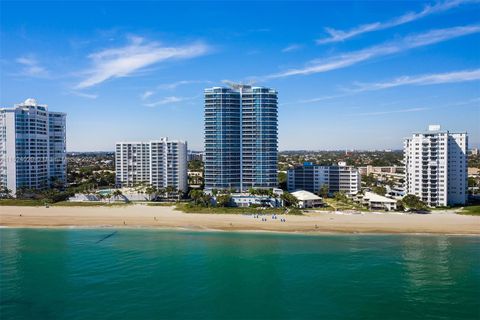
(370, 196)
(303, 195)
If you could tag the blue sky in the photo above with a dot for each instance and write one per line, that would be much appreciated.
(356, 75)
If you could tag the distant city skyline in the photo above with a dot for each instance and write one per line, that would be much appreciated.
(350, 75)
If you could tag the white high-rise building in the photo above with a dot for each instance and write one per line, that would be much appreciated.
(159, 163)
(32, 147)
(436, 166)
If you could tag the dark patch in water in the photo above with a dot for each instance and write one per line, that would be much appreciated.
(14, 302)
(106, 237)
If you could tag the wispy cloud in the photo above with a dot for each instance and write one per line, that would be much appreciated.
(341, 35)
(170, 86)
(429, 79)
(324, 98)
(146, 94)
(292, 47)
(468, 102)
(174, 85)
(84, 95)
(389, 48)
(380, 113)
(31, 67)
(318, 99)
(168, 100)
(123, 61)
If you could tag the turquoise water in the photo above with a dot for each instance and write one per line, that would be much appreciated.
(152, 274)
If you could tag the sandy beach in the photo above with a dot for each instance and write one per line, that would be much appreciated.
(137, 216)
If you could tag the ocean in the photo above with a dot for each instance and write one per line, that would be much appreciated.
(165, 274)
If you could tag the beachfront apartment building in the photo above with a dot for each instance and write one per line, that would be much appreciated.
(436, 166)
(160, 163)
(195, 155)
(311, 177)
(32, 147)
(241, 138)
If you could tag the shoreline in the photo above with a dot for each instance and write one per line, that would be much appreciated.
(252, 231)
(312, 223)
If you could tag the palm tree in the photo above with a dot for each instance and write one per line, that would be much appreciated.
(180, 194)
(151, 190)
(6, 193)
(196, 195)
(100, 196)
(206, 199)
(323, 192)
(289, 199)
(168, 190)
(117, 193)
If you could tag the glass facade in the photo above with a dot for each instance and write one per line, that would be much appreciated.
(241, 133)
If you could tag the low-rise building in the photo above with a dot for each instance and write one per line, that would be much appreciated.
(307, 199)
(377, 202)
(380, 170)
(195, 155)
(391, 173)
(249, 200)
(312, 177)
(395, 191)
(474, 172)
(84, 197)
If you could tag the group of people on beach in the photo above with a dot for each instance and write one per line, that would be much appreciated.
(274, 217)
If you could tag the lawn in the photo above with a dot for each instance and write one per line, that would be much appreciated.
(341, 205)
(191, 208)
(160, 204)
(22, 202)
(88, 204)
(41, 203)
(471, 210)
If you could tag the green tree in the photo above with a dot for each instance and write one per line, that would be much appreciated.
(340, 196)
(282, 180)
(369, 180)
(196, 195)
(180, 194)
(413, 202)
(289, 200)
(169, 190)
(117, 193)
(390, 183)
(323, 192)
(224, 200)
(400, 206)
(195, 165)
(55, 195)
(6, 193)
(206, 199)
(379, 190)
(472, 182)
(151, 191)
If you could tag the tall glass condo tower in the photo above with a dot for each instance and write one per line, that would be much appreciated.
(241, 137)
